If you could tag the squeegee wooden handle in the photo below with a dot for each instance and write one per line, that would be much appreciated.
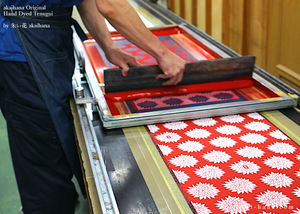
(143, 77)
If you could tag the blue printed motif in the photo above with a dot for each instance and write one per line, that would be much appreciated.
(199, 99)
(223, 96)
(152, 104)
(173, 101)
(147, 104)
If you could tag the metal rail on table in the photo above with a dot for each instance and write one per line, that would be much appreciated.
(104, 192)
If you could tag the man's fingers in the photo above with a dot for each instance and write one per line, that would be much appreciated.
(162, 76)
(134, 63)
(131, 62)
(125, 69)
(172, 81)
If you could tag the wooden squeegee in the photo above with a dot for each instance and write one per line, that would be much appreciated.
(143, 77)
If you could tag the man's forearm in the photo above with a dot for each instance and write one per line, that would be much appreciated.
(124, 18)
(95, 23)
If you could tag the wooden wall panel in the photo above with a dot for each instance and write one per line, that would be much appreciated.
(256, 28)
(246, 27)
(290, 44)
(283, 54)
(233, 25)
(289, 76)
(200, 14)
(208, 16)
(188, 10)
(216, 19)
(275, 36)
(175, 6)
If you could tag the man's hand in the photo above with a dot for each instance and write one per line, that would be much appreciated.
(121, 58)
(173, 68)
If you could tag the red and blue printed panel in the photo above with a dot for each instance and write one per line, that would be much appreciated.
(145, 59)
(189, 49)
(174, 38)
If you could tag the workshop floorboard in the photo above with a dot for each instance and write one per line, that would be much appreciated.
(9, 196)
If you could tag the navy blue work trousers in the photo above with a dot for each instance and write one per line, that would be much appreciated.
(42, 171)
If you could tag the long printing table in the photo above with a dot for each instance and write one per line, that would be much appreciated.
(127, 154)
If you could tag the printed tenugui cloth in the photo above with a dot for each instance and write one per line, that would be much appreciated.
(232, 164)
(183, 100)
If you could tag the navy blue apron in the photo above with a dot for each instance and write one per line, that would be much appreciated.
(48, 47)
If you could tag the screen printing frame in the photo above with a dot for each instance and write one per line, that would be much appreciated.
(108, 121)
